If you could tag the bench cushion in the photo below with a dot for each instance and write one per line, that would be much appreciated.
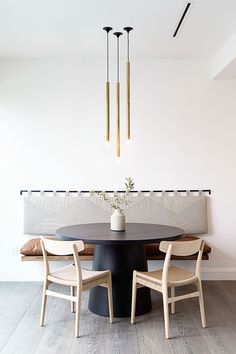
(33, 247)
(153, 248)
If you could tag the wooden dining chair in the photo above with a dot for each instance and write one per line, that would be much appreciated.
(172, 277)
(72, 275)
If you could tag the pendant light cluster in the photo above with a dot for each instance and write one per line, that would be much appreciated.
(117, 34)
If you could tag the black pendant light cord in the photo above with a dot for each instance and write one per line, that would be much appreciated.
(118, 62)
(128, 29)
(107, 57)
(118, 34)
(128, 47)
(107, 29)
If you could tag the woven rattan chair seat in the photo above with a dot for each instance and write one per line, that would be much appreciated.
(67, 275)
(177, 276)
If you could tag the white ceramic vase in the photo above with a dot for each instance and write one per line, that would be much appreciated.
(117, 221)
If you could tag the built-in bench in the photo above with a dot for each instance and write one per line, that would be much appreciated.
(31, 251)
(45, 212)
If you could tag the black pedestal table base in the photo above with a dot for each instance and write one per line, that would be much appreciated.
(122, 260)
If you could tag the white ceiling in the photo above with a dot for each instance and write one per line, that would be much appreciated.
(73, 28)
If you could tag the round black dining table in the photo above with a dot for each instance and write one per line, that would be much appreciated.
(122, 252)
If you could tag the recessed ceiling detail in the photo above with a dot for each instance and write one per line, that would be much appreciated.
(187, 7)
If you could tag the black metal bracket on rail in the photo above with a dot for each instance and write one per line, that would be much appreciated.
(142, 191)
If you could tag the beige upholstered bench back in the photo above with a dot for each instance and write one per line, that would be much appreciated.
(44, 213)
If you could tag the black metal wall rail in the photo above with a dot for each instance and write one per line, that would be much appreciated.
(120, 191)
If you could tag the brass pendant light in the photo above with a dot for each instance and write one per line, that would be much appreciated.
(107, 29)
(118, 34)
(128, 29)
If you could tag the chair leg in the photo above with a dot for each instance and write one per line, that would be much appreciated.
(44, 300)
(134, 295)
(166, 313)
(172, 294)
(77, 314)
(110, 299)
(201, 303)
(72, 293)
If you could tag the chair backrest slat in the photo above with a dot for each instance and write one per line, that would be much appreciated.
(62, 248)
(181, 248)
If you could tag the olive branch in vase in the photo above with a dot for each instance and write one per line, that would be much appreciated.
(119, 200)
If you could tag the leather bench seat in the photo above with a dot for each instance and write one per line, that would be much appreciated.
(32, 248)
(153, 248)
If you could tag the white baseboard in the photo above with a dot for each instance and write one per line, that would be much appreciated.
(211, 273)
(216, 273)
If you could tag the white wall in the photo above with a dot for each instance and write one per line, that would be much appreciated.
(52, 133)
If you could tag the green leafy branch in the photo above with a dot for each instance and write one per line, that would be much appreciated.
(118, 200)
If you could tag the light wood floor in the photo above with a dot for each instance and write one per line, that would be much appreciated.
(20, 331)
